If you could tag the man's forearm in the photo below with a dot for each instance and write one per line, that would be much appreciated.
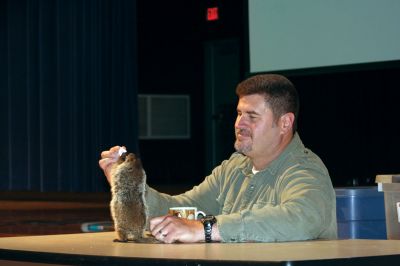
(215, 235)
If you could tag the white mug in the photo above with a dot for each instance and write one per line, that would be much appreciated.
(189, 213)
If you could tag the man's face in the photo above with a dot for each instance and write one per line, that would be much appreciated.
(257, 133)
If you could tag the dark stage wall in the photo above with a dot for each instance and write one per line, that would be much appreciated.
(71, 70)
(350, 119)
(68, 83)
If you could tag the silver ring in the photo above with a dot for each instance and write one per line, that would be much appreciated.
(161, 234)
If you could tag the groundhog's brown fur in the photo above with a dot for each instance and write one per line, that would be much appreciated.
(128, 205)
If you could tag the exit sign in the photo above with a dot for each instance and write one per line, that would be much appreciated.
(212, 13)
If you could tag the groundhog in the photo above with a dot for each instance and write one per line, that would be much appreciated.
(128, 205)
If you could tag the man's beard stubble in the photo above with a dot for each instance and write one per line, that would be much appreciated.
(239, 146)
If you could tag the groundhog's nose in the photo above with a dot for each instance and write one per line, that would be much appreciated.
(123, 156)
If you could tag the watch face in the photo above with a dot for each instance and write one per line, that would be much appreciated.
(210, 219)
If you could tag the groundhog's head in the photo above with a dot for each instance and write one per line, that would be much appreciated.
(128, 167)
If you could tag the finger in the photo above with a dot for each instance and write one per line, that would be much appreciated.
(105, 163)
(111, 153)
(161, 235)
(155, 221)
(169, 239)
(108, 154)
(168, 233)
(157, 224)
(156, 227)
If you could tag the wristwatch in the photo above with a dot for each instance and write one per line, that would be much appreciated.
(208, 222)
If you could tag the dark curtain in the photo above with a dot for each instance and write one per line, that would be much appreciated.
(68, 81)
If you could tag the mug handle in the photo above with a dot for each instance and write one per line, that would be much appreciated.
(201, 214)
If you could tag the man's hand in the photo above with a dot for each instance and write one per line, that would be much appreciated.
(170, 229)
(107, 159)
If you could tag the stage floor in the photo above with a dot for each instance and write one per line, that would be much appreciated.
(49, 213)
(62, 214)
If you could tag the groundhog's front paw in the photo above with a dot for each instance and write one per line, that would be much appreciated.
(119, 240)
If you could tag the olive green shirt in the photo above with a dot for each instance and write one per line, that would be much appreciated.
(292, 199)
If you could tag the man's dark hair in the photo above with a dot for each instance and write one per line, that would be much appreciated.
(280, 94)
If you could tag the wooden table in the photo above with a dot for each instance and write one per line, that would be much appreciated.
(98, 248)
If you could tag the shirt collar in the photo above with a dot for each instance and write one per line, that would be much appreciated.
(273, 167)
(294, 145)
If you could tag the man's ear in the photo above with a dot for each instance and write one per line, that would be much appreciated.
(287, 121)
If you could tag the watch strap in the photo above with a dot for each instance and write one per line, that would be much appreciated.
(208, 223)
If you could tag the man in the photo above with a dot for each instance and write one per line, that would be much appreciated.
(271, 189)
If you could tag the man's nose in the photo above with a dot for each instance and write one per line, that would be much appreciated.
(240, 122)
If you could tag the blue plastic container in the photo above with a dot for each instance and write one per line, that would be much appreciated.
(360, 213)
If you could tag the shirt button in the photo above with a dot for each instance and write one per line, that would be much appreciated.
(252, 187)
